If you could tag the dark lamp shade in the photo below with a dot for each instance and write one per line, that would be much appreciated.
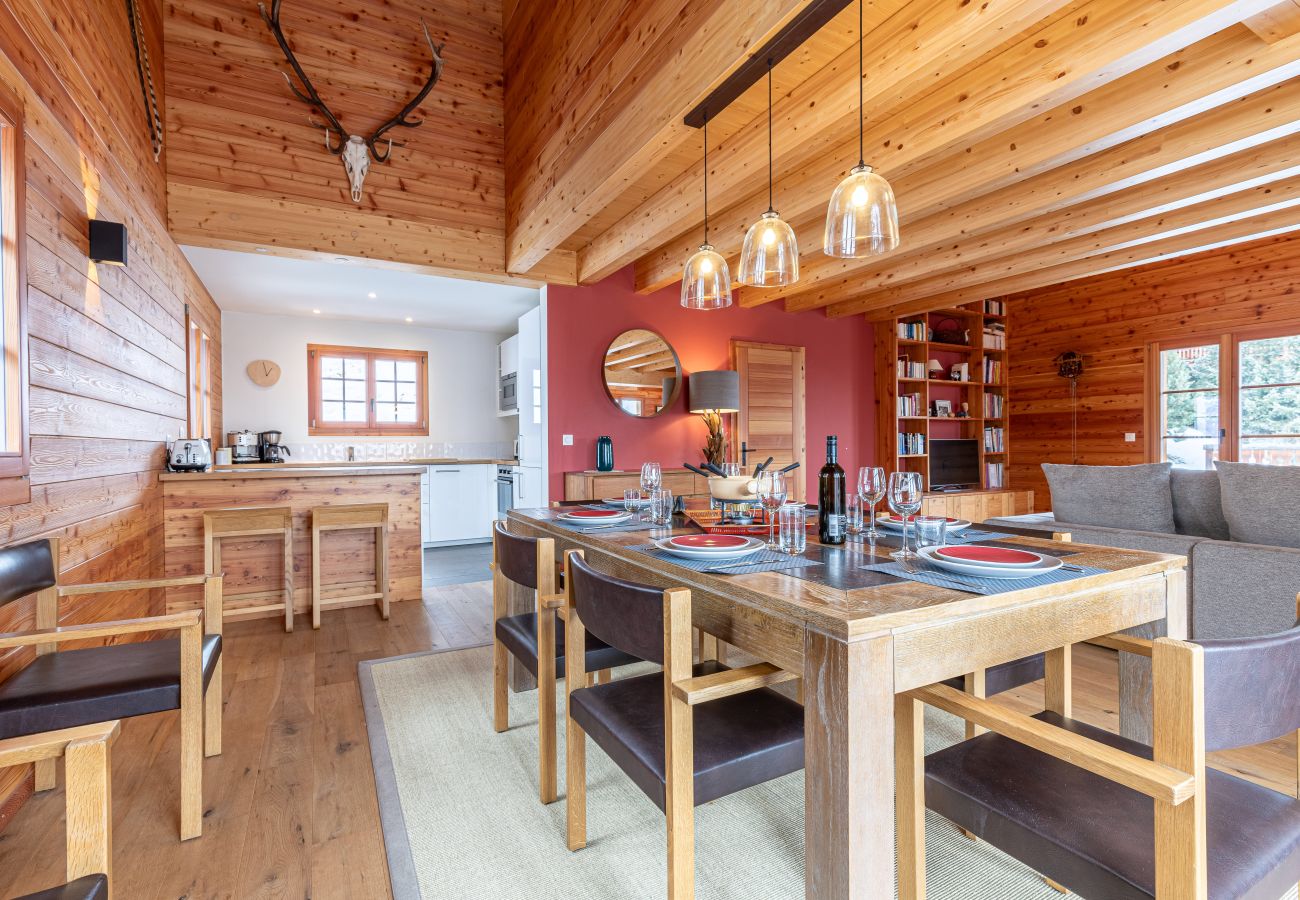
(716, 391)
(107, 242)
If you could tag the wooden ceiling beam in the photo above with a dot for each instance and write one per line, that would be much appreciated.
(590, 168)
(903, 51)
(1277, 22)
(1001, 97)
(1249, 141)
(944, 292)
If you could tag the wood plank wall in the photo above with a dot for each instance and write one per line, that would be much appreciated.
(107, 345)
(1110, 319)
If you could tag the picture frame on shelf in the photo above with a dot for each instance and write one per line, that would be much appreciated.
(943, 409)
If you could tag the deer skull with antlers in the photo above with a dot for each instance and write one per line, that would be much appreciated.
(355, 150)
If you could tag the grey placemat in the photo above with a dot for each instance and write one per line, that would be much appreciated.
(596, 528)
(762, 561)
(972, 584)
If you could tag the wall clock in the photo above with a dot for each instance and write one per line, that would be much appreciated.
(263, 372)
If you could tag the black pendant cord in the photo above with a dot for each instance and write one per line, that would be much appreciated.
(145, 73)
(862, 101)
(771, 201)
(706, 177)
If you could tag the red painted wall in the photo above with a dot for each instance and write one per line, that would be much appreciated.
(581, 322)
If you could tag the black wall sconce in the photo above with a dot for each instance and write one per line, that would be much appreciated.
(107, 242)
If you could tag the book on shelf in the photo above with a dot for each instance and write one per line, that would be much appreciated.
(993, 475)
(995, 307)
(994, 439)
(992, 371)
(911, 444)
(910, 405)
(995, 336)
(909, 369)
(993, 404)
(913, 331)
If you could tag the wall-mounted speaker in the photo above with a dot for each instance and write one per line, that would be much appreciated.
(108, 242)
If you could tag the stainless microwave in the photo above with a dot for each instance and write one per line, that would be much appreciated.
(508, 398)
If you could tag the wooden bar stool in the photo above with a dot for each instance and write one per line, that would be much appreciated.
(348, 518)
(251, 521)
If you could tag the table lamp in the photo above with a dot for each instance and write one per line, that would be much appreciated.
(713, 394)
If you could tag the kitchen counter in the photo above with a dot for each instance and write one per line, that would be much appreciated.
(286, 470)
(367, 463)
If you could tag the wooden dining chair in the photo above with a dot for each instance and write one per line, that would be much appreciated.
(89, 818)
(532, 638)
(1107, 817)
(57, 690)
(686, 735)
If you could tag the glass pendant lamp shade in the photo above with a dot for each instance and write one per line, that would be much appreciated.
(862, 219)
(770, 256)
(706, 282)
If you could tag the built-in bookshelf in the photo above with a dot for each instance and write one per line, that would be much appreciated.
(969, 346)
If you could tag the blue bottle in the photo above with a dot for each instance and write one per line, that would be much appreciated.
(604, 454)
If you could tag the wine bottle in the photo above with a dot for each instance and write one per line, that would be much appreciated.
(830, 495)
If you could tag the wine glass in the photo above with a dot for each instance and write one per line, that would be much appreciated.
(905, 496)
(651, 478)
(871, 489)
(771, 493)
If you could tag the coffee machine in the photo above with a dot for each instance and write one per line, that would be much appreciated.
(269, 447)
(244, 447)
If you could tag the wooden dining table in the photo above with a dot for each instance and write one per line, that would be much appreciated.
(859, 638)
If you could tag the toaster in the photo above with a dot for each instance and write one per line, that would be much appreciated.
(190, 455)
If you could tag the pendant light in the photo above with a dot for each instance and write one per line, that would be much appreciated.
(770, 257)
(862, 219)
(706, 281)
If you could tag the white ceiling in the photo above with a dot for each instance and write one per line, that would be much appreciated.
(264, 283)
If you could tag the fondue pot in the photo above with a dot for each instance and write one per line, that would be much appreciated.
(734, 488)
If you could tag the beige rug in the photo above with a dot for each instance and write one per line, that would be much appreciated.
(462, 819)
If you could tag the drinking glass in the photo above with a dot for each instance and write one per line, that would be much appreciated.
(905, 496)
(661, 507)
(731, 470)
(632, 499)
(931, 531)
(651, 478)
(771, 493)
(794, 528)
(871, 490)
(853, 517)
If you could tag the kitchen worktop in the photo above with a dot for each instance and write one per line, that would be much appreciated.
(414, 461)
(285, 470)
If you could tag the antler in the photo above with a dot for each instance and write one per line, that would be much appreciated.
(308, 94)
(401, 117)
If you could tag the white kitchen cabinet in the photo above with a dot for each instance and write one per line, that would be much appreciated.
(508, 355)
(528, 488)
(461, 504)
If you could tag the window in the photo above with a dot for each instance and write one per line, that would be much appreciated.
(14, 453)
(198, 363)
(1234, 396)
(360, 391)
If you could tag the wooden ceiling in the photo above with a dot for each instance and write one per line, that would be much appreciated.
(1028, 141)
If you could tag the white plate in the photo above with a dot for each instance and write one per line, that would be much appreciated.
(748, 543)
(884, 521)
(1049, 564)
(597, 520)
(712, 556)
(618, 501)
(1031, 558)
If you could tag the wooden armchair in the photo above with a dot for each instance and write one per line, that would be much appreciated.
(85, 750)
(59, 690)
(685, 736)
(1107, 817)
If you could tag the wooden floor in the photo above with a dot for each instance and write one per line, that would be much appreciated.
(291, 809)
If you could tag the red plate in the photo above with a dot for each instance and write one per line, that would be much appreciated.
(595, 513)
(710, 542)
(992, 555)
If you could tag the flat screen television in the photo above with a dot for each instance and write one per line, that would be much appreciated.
(954, 463)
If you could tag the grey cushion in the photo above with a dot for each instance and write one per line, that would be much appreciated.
(1261, 503)
(1198, 508)
(1242, 590)
(1136, 497)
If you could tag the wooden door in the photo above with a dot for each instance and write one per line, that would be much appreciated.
(771, 419)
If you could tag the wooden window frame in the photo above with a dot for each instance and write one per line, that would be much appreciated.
(1229, 383)
(15, 465)
(198, 377)
(317, 427)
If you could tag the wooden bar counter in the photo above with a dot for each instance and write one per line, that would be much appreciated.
(254, 566)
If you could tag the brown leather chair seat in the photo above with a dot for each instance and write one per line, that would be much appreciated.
(519, 634)
(1096, 837)
(79, 687)
(740, 741)
(90, 887)
(1006, 676)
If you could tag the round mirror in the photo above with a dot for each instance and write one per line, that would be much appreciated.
(641, 373)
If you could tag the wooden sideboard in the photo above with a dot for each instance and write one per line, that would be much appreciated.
(600, 485)
(976, 506)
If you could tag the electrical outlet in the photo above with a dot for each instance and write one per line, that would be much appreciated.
(567, 440)
(1130, 436)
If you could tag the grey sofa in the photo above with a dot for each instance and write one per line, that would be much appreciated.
(1235, 589)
